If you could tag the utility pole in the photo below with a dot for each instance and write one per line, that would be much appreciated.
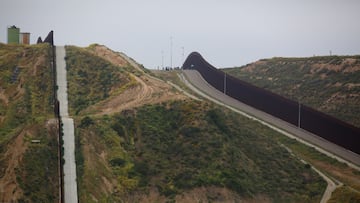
(162, 59)
(299, 118)
(171, 47)
(182, 58)
(224, 82)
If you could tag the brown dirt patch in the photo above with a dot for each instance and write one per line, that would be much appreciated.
(147, 91)
(336, 98)
(352, 85)
(40, 61)
(351, 65)
(108, 54)
(10, 191)
(344, 175)
(346, 66)
(338, 84)
(3, 97)
(320, 66)
(9, 188)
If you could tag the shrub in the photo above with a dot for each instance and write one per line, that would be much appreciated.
(117, 162)
(86, 122)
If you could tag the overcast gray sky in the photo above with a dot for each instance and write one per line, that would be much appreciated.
(226, 32)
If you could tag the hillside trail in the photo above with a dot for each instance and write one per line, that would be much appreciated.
(148, 89)
(332, 185)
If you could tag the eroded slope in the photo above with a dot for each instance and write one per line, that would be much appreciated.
(103, 82)
(28, 132)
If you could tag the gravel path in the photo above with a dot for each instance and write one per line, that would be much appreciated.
(70, 186)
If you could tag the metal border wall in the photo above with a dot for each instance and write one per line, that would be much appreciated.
(325, 126)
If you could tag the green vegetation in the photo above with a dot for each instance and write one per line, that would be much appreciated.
(178, 146)
(345, 194)
(172, 147)
(91, 78)
(329, 166)
(26, 99)
(26, 104)
(171, 76)
(328, 83)
(38, 174)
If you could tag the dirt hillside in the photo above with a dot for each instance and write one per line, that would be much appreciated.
(28, 135)
(144, 89)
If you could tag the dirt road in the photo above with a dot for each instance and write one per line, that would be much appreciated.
(145, 89)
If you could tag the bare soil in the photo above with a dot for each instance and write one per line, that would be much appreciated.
(12, 158)
(345, 175)
(147, 91)
(109, 55)
(9, 188)
(346, 66)
(3, 97)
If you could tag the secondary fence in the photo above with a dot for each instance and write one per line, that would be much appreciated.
(325, 126)
(50, 40)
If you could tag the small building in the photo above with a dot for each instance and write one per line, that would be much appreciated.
(24, 38)
(13, 35)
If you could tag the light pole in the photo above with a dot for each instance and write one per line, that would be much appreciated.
(171, 46)
(162, 59)
(224, 82)
(299, 115)
(182, 57)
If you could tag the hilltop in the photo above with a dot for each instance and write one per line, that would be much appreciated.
(102, 81)
(327, 83)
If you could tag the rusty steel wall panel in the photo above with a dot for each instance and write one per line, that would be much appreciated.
(325, 126)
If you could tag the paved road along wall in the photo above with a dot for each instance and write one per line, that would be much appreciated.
(323, 125)
(70, 185)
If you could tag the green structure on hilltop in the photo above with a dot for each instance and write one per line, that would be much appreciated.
(13, 35)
